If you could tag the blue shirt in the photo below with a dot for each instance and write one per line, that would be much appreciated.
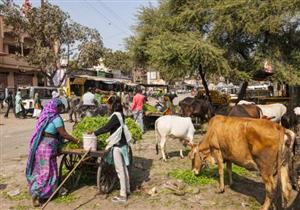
(52, 127)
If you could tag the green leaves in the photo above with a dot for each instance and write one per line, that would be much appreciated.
(51, 35)
(231, 37)
(91, 124)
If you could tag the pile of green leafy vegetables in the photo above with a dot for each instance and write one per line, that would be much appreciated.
(91, 124)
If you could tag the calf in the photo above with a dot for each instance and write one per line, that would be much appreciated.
(254, 144)
(173, 126)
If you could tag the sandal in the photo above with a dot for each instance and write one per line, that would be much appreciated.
(36, 202)
(119, 200)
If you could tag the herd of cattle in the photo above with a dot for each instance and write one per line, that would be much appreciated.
(256, 137)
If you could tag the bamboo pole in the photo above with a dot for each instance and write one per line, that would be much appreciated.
(53, 194)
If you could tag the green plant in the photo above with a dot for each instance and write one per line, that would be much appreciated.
(66, 199)
(90, 124)
(207, 176)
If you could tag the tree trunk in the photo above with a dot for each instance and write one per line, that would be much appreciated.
(242, 92)
(202, 75)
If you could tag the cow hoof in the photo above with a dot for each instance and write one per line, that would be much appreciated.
(220, 191)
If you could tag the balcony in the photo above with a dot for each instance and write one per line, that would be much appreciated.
(11, 61)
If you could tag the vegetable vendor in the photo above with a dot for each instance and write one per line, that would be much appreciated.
(168, 106)
(41, 170)
(118, 147)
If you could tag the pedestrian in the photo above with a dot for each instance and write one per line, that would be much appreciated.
(74, 102)
(37, 106)
(118, 147)
(19, 108)
(10, 103)
(126, 103)
(89, 98)
(168, 106)
(41, 170)
(137, 107)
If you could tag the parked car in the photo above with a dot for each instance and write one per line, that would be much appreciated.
(45, 94)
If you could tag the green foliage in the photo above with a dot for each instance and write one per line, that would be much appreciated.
(91, 124)
(65, 199)
(134, 129)
(232, 38)
(118, 60)
(51, 35)
(149, 108)
(207, 176)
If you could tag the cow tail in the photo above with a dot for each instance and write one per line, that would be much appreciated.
(156, 136)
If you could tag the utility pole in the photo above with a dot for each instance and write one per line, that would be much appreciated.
(42, 3)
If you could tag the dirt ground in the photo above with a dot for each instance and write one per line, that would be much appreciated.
(152, 186)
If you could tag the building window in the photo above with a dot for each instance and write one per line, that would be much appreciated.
(12, 49)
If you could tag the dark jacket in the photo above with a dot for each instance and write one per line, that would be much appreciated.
(112, 125)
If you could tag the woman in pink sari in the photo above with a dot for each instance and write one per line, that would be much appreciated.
(41, 170)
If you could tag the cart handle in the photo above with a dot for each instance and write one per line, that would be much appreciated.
(54, 193)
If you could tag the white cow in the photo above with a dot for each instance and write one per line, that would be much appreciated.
(297, 111)
(175, 127)
(245, 102)
(273, 111)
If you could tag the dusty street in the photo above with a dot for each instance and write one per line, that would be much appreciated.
(153, 185)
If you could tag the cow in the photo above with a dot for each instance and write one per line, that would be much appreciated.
(199, 108)
(273, 111)
(241, 102)
(255, 144)
(175, 127)
(291, 120)
(246, 110)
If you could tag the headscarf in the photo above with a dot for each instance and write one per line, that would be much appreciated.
(49, 113)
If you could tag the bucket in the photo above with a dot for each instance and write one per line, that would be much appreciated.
(89, 142)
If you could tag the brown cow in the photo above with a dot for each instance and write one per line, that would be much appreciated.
(254, 144)
(246, 110)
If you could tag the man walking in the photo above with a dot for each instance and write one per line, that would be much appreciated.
(137, 107)
(9, 101)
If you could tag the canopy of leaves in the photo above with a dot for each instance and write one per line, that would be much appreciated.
(231, 36)
(118, 60)
(52, 36)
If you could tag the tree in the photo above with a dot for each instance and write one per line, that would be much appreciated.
(236, 35)
(118, 60)
(173, 50)
(52, 34)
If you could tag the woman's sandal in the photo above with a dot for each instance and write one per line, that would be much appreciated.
(119, 200)
(36, 202)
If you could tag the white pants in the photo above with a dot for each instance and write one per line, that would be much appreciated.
(138, 117)
(122, 172)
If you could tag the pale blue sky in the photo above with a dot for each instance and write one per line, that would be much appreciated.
(112, 18)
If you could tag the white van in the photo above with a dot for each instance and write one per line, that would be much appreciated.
(45, 94)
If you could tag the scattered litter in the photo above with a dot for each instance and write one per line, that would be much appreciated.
(152, 192)
(14, 192)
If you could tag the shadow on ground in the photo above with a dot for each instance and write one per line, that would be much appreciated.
(140, 172)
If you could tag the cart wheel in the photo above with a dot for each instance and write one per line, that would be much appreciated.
(67, 163)
(106, 177)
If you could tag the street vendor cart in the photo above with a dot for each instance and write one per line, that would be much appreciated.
(92, 164)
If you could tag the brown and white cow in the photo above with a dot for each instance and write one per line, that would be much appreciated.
(254, 144)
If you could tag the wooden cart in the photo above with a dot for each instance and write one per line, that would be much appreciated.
(93, 164)
(150, 118)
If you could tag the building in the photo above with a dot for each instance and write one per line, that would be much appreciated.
(14, 71)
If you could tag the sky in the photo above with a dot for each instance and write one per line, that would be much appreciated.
(112, 18)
